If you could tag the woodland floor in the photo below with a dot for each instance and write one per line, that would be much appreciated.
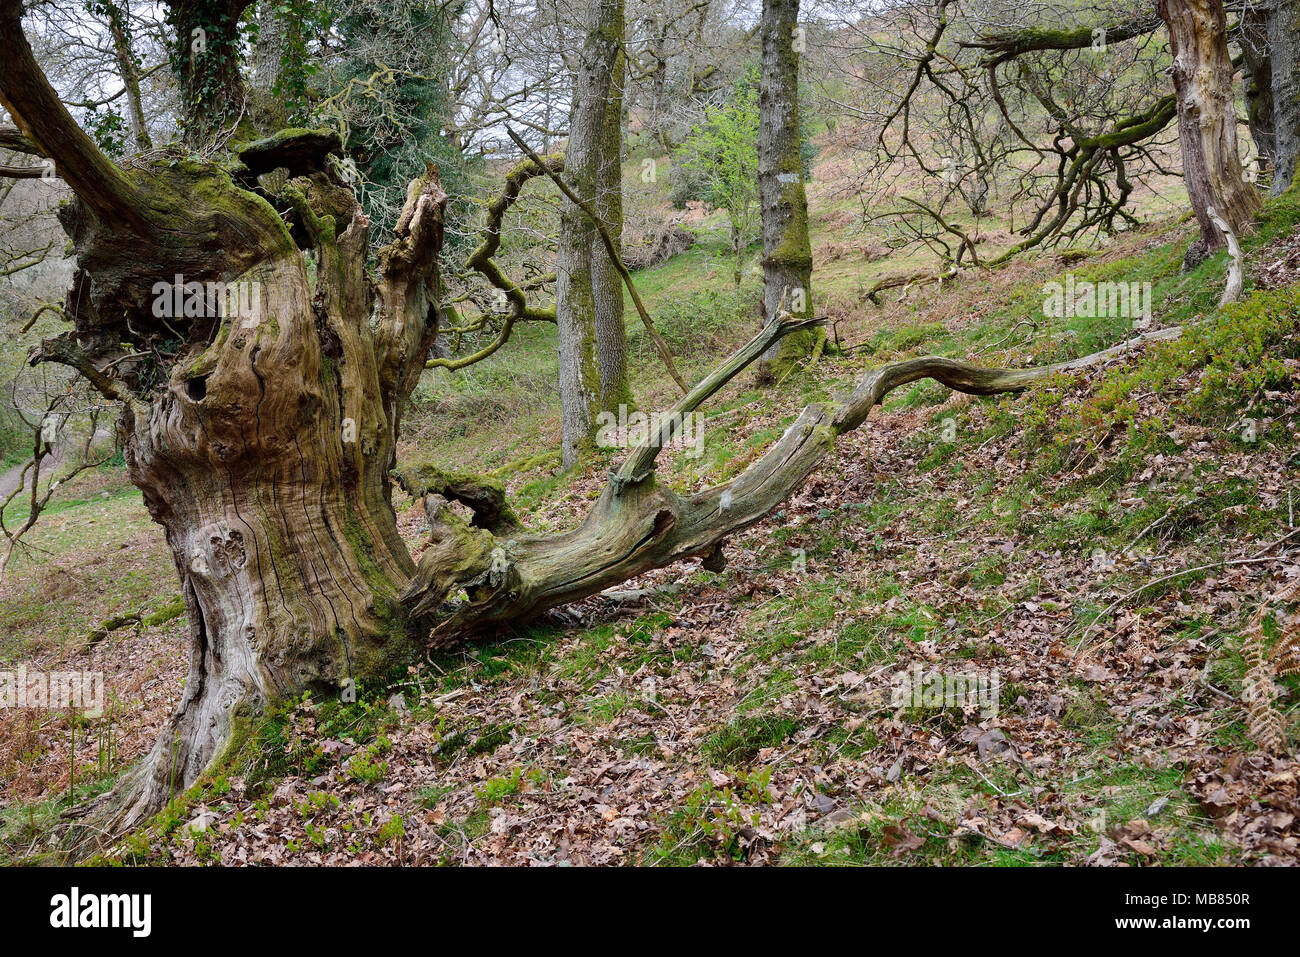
(739, 719)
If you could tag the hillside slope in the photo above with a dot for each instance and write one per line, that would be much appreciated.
(1099, 546)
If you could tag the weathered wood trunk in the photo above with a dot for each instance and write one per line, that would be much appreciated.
(276, 511)
(263, 448)
(787, 254)
(1207, 120)
(262, 375)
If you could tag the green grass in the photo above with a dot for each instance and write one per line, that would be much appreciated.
(739, 743)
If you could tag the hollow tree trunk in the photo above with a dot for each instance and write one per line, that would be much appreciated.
(282, 535)
(262, 404)
(264, 453)
(787, 254)
(583, 276)
(1207, 119)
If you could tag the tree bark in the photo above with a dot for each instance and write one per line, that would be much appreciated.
(264, 449)
(1207, 119)
(129, 68)
(266, 66)
(787, 254)
(1258, 70)
(589, 303)
(260, 418)
(206, 58)
(1284, 57)
(606, 283)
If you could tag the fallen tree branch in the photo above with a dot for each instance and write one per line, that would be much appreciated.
(470, 579)
(1236, 276)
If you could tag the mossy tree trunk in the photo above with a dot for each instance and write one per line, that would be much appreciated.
(260, 420)
(1207, 118)
(606, 283)
(588, 290)
(787, 253)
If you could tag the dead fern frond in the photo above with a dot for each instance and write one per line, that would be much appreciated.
(1265, 664)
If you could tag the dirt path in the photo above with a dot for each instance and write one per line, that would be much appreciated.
(9, 480)
(12, 477)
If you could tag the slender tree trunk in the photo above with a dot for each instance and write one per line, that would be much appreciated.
(1258, 70)
(1207, 119)
(584, 289)
(1284, 56)
(129, 70)
(787, 254)
(737, 256)
(266, 66)
(606, 283)
(658, 82)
